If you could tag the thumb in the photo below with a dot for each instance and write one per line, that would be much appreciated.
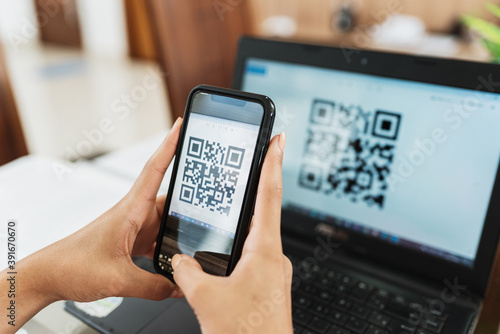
(143, 284)
(188, 274)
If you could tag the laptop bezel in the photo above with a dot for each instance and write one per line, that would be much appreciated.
(446, 72)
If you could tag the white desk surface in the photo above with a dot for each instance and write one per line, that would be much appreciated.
(51, 199)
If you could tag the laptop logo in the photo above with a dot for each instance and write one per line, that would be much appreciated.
(331, 232)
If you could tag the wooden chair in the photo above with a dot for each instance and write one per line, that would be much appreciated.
(59, 22)
(12, 144)
(196, 41)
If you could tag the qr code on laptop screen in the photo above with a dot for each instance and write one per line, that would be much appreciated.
(210, 175)
(349, 151)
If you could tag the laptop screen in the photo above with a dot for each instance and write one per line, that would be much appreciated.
(409, 163)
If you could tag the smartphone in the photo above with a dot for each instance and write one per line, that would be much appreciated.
(223, 141)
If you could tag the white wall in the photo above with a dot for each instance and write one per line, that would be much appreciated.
(103, 27)
(18, 24)
(102, 24)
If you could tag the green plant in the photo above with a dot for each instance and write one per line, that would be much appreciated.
(489, 32)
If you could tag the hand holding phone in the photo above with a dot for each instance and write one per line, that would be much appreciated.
(223, 141)
(256, 297)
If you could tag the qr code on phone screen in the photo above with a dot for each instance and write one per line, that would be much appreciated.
(211, 174)
(349, 151)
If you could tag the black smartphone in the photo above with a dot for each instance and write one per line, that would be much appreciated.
(209, 206)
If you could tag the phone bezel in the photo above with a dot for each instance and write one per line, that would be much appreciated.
(263, 139)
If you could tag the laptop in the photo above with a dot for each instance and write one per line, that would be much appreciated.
(390, 184)
(390, 180)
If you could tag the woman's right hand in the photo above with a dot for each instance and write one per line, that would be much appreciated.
(256, 297)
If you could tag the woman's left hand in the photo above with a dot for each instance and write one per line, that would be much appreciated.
(96, 261)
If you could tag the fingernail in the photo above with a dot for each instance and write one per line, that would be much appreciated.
(282, 140)
(177, 293)
(175, 260)
(177, 121)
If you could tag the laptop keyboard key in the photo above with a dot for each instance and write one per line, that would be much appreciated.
(349, 281)
(360, 311)
(379, 319)
(422, 331)
(342, 288)
(342, 303)
(309, 289)
(325, 296)
(376, 330)
(416, 306)
(320, 309)
(308, 331)
(436, 313)
(404, 313)
(331, 274)
(338, 330)
(400, 327)
(319, 325)
(365, 286)
(377, 302)
(338, 317)
(356, 325)
(400, 300)
(326, 282)
(382, 293)
(301, 317)
(307, 276)
(360, 294)
(302, 300)
(434, 325)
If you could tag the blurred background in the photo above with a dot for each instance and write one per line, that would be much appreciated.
(81, 78)
(100, 82)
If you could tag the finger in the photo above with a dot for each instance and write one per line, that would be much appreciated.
(151, 252)
(149, 181)
(188, 274)
(152, 231)
(265, 234)
(148, 232)
(288, 271)
(251, 223)
(160, 205)
(146, 285)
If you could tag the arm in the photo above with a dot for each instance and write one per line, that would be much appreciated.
(29, 295)
(96, 261)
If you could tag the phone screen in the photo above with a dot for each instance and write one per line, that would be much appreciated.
(211, 179)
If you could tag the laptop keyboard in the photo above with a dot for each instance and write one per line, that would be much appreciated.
(327, 301)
